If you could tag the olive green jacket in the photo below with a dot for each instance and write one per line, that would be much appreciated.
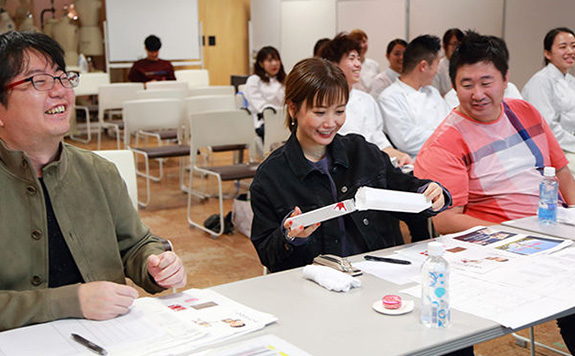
(105, 235)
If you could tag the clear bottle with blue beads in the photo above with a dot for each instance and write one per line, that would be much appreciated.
(548, 195)
(435, 310)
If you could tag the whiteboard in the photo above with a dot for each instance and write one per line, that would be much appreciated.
(175, 22)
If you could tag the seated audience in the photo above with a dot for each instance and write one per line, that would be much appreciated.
(451, 39)
(411, 107)
(394, 55)
(319, 46)
(70, 231)
(362, 114)
(318, 167)
(552, 89)
(151, 68)
(265, 88)
(369, 67)
(490, 152)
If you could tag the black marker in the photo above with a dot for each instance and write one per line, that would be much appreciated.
(89, 344)
(386, 259)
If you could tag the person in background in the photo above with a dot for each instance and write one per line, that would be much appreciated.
(552, 89)
(491, 182)
(70, 231)
(151, 68)
(451, 39)
(363, 116)
(318, 167)
(394, 55)
(318, 46)
(369, 67)
(412, 108)
(265, 88)
(511, 91)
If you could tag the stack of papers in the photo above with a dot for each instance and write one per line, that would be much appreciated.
(173, 324)
(512, 279)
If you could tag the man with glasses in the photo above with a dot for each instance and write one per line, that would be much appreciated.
(69, 232)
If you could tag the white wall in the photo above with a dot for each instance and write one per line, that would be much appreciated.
(302, 24)
(522, 23)
(434, 17)
(382, 21)
(526, 23)
(266, 27)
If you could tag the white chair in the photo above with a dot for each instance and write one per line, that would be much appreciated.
(203, 103)
(168, 84)
(89, 84)
(233, 127)
(275, 131)
(193, 77)
(212, 90)
(124, 161)
(153, 114)
(111, 97)
(161, 93)
(175, 93)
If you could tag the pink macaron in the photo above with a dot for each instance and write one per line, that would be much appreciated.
(391, 301)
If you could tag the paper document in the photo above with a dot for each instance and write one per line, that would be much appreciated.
(172, 324)
(266, 345)
(510, 278)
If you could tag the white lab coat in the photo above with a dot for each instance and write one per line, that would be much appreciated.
(363, 117)
(511, 92)
(553, 94)
(410, 116)
(382, 81)
(441, 81)
(369, 69)
(261, 95)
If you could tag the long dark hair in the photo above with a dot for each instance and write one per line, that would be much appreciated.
(550, 38)
(262, 55)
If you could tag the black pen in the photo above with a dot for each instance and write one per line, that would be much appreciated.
(89, 344)
(386, 259)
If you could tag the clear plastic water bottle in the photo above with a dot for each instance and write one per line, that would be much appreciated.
(548, 194)
(435, 311)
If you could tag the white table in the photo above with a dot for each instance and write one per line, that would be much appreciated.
(328, 323)
(532, 224)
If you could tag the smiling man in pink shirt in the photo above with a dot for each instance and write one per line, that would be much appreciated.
(489, 152)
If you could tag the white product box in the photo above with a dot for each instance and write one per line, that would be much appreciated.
(366, 198)
(323, 214)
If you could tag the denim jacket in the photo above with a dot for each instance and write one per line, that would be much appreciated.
(286, 179)
(105, 235)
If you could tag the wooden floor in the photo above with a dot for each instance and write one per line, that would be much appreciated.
(229, 258)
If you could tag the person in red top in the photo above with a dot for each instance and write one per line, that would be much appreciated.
(490, 152)
(151, 68)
